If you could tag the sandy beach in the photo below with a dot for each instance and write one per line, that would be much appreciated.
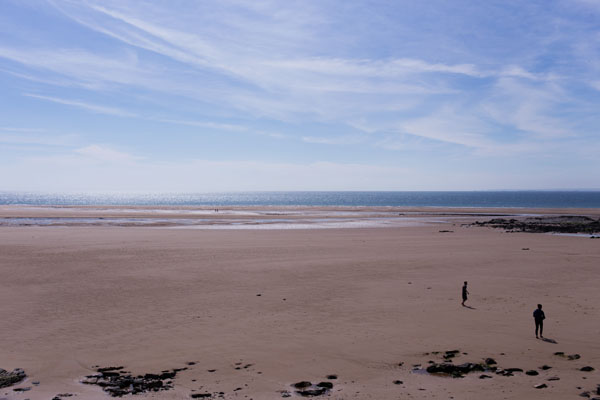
(365, 295)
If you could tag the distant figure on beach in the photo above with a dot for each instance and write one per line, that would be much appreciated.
(539, 317)
(465, 293)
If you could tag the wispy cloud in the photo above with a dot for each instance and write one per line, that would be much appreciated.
(203, 124)
(84, 105)
(336, 140)
(528, 108)
(450, 126)
(105, 154)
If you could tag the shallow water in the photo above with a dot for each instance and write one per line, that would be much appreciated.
(492, 199)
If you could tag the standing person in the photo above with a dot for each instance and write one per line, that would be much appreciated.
(539, 317)
(465, 293)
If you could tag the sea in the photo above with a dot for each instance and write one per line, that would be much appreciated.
(458, 199)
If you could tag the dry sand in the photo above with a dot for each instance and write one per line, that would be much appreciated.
(351, 302)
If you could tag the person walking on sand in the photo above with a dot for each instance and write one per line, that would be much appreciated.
(465, 293)
(539, 317)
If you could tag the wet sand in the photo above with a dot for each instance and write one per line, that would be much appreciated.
(296, 304)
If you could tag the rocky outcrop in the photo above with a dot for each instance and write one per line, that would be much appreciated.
(117, 383)
(11, 378)
(557, 224)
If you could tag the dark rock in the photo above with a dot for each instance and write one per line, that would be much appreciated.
(559, 353)
(586, 369)
(573, 357)
(585, 394)
(454, 370)
(200, 395)
(398, 382)
(168, 375)
(331, 376)
(511, 370)
(553, 378)
(450, 354)
(11, 378)
(302, 384)
(117, 383)
(22, 389)
(326, 385)
(107, 369)
(490, 361)
(312, 392)
(532, 372)
(503, 372)
(545, 367)
(484, 376)
(540, 386)
(560, 224)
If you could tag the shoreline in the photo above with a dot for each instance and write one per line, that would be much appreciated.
(255, 217)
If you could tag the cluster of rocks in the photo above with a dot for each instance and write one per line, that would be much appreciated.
(308, 389)
(558, 224)
(11, 378)
(568, 356)
(589, 394)
(117, 382)
(60, 396)
(447, 368)
(459, 370)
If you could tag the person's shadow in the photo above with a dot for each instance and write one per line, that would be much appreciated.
(469, 307)
(548, 340)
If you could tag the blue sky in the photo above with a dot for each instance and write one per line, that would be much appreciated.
(204, 96)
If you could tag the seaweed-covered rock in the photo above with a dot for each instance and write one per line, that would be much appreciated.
(11, 378)
(302, 384)
(307, 389)
(326, 385)
(312, 392)
(511, 370)
(453, 369)
(558, 224)
(117, 383)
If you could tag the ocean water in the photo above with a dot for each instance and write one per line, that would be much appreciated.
(503, 199)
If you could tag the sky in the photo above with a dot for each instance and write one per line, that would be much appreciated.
(239, 95)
